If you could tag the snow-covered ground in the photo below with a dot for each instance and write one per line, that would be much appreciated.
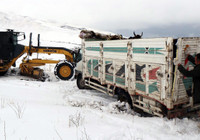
(55, 110)
(58, 110)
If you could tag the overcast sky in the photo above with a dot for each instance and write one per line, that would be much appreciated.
(154, 17)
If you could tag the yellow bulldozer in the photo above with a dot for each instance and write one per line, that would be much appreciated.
(10, 51)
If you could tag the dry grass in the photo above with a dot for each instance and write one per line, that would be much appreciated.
(18, 108)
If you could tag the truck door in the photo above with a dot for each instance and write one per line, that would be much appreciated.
(183, 86)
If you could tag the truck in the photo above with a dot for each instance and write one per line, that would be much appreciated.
(141, 72)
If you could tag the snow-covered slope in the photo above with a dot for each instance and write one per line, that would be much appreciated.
(52, 33)
(58, 110)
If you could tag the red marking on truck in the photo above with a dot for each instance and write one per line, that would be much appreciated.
(152, 74)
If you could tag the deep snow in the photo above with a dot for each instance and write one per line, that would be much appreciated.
(58, 110)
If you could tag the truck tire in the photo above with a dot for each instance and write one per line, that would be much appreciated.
(64, 70)
(123, 96)
(80, 82)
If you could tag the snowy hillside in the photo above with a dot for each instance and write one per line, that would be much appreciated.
(51, 32)
(58, 110)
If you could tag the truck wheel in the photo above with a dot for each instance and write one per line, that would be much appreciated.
(64, 70)
(123, 96)
(80, 82)
(3, 73)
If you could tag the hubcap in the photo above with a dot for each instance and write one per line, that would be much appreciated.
(65, 71)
